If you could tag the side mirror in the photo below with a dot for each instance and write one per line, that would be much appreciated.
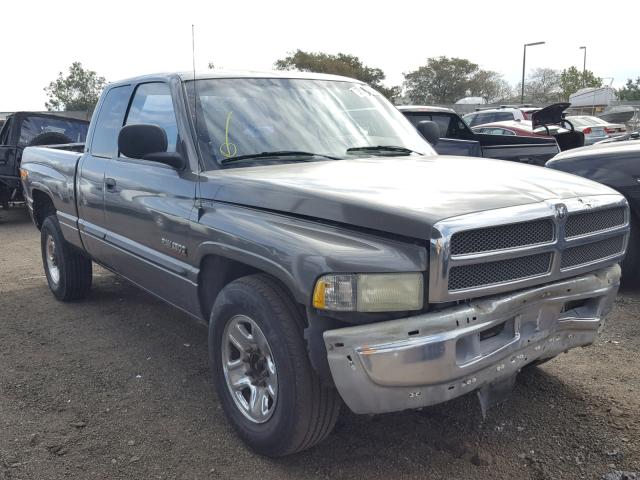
(148, 142)
(429, 130)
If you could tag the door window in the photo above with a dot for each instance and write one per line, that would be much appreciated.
(152, 104)
(109, 123)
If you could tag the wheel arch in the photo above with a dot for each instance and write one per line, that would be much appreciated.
(43, 206)
(218, 270)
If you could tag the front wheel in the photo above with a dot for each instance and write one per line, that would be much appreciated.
(68, 272)
(261, 371)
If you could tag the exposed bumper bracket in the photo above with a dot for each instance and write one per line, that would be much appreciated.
(436, 356)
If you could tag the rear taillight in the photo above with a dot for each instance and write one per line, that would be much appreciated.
(609, 130)
(587, 131)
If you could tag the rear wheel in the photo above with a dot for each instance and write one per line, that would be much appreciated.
(267, 388)
(68, 272)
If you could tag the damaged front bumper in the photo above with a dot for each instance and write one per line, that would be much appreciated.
(436, 356)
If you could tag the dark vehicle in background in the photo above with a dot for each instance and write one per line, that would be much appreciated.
(520, 128)
(333, 254)
(617, 165)
(24, 129)
(455, 137)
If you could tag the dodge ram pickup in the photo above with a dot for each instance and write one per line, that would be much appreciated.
(335, 256)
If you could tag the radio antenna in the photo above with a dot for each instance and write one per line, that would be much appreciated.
(195, 91)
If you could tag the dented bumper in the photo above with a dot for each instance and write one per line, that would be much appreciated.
(436, 356)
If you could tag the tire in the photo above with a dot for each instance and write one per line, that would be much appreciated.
(631, 262)
(68, 272)
(50, 138)
(303, 411)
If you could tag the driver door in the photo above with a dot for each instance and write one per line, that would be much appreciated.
(147, 207)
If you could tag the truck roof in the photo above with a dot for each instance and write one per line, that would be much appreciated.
(212, 74)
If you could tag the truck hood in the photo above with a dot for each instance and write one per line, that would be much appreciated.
(403, 196)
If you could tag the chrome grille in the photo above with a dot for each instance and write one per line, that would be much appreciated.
(583, 254)
(469, 276)
(486, 253)
(502, 237)
(598, 221)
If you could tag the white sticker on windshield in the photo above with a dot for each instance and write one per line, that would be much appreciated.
(363, 91)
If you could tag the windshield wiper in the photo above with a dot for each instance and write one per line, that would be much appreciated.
(275, 154)
(382, 148)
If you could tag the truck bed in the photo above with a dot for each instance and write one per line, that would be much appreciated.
(53, 171)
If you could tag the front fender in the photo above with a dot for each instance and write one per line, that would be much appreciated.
(298, 251)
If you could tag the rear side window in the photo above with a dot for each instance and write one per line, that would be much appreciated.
(74, 130)
(500, 116)
(4, 132)
(482, 118)
(152, 104)
(109, 123)
(442, 121)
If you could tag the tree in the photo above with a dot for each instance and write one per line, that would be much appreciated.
(631, 90)
(572, 80)
(542, 86)
(338, 64)
(490, 86)
(79, 90)
(446, 80)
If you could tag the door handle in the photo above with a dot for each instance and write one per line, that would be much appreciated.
(110, 183)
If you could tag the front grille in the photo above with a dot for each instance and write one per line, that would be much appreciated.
(597, 221)
(481, 274)
(502, 237)
(496, 251)
(591, 252)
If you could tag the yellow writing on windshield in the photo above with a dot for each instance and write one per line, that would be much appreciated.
(228, 149)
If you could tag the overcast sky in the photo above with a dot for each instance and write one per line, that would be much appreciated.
(120, 39)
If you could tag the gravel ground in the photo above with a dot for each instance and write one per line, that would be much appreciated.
(117, 386)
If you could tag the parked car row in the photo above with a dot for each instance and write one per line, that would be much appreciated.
(335, 256)
(512, 121)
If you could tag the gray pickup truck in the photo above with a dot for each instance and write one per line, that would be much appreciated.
(333, 254)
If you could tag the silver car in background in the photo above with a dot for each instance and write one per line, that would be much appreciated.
(593, 128)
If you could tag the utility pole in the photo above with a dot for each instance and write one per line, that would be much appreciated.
(584, 66)
(524, 61)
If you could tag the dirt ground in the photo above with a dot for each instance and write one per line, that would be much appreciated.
(117, 386)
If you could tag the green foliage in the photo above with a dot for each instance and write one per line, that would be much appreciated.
(444, 80)
(572, 80)
(631, 91)
(339, 64)
(79, 90)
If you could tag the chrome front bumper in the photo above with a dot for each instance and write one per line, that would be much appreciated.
(437, 356)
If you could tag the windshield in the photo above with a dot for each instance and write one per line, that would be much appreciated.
(245, 117)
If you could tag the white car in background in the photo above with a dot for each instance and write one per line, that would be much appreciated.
(493, 115)
(595, 129)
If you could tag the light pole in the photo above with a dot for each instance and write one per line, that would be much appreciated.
(524, 60)
(584, 65)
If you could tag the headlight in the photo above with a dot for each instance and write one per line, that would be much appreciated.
(369, 292)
